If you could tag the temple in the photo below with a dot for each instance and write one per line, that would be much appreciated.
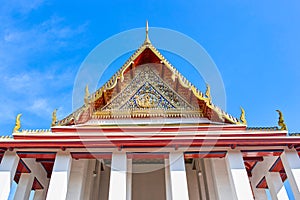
(148, 133)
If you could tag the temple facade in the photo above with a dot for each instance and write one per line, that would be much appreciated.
(148, 133)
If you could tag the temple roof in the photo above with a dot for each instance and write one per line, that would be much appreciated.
(147, 86)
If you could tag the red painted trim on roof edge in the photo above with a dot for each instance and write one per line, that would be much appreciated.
(128, 136)
(146, 128)
(152, 142)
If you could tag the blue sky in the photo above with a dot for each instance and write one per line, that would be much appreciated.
(254, 44)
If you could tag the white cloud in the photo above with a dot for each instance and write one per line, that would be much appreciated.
(40, 107)
(35, 89)
(20, 6)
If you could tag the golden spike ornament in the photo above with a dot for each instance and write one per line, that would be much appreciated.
(54, 118)
(207, 93)
(281, 121)
(86, 96)
(243, 117)
(18, 124)
(147, 40)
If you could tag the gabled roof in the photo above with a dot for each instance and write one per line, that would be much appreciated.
(144, 54)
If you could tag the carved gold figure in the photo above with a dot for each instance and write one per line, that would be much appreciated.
(145, 101)
(281, 121)
(243, 117)
(54, 118)
(18, 124)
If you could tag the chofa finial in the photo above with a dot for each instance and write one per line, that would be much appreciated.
(54, 118)
(147, 40)
(281, 121)
(18, 124)
(86, 96)
(207, 93)
(243, 116)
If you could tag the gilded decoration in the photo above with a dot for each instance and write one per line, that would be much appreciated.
(147, 91)
(243, 116)
(54, 118)
(281, 121)
(18, 124)
(147, 97)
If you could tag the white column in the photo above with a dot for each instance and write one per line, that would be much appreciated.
(89, 183)
(24, 186)
(258, 173)
(41, 175)
(276, 187)
(59, 181)
(129, 180)
(168, 180)
(117, 186)
(178, 176)
(238, 176)
(96, 179)
(208, 179)
(193, 182)
(291, 163)
(221, 179)
(77, 179)
(8, 169)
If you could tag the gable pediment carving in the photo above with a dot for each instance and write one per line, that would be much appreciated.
(147, 91)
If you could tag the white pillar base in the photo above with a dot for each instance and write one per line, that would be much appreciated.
(8, 169)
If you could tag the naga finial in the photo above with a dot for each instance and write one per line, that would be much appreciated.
(54, 117)
(207, 93)
(86, 96)
(281, 121)
(243, 117)
(147, 40)
(18, 124)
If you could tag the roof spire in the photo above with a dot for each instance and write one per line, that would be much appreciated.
(147, 40)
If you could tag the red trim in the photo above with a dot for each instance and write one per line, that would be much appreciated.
(181, 141)
(147, 155)
(147, 128)
(144, 136)
(37, 155)
(90, 155)
(262, 184)
(208, 155)
(50, 156)
(36, 185)
(260, 158)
